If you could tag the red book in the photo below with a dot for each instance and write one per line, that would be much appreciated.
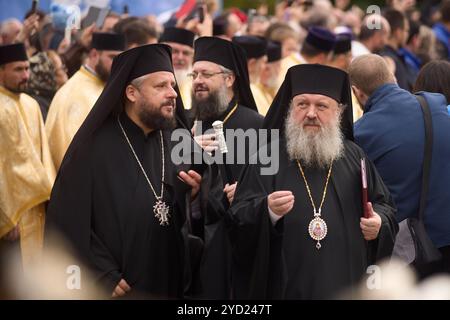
(364, 187)
(186, 8)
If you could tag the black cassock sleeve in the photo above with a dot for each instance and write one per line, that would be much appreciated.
(383, 204)
(69, 213)
(256, 243)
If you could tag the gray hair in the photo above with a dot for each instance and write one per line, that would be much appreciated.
(226, 70)
(5, 26)
(138, 81)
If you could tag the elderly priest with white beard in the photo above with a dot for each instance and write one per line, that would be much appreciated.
(301, 233)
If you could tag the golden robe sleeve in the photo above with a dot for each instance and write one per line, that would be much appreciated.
(262, 101)
(27, 172)
(69, 108)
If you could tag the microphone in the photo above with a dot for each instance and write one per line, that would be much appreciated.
(218, 130)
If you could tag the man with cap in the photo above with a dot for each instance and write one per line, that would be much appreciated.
(119, 198)
(182, 43)
(341, 59)
(27, 171)
(269, 76)
(301, 233)
(316, 48)
(256, 51)
(74, 100)
(342, 52)
(221, 92)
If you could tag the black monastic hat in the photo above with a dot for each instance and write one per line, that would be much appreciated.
(321, 38)
(255, 47)
(178, 35)
(312, 79)
(230, 56)
(12, 53)
(108, 41)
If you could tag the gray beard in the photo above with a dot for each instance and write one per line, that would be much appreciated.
(314, 149)
(212, 107)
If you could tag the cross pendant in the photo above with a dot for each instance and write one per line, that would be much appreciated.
(161, 211)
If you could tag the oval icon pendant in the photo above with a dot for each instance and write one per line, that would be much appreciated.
(318, 230)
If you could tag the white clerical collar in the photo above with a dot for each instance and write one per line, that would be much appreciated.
(90, 70)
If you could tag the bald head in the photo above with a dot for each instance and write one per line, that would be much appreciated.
(368, 72)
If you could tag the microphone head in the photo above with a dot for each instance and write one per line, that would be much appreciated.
(218, 128)
(217, 125)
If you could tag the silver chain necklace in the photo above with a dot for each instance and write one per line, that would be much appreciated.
(160, 209)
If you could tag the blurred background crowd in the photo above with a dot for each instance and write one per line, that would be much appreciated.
(408, 33)
(70, 56)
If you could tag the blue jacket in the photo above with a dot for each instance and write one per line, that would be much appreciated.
(411, 59)
(392, 134)
(443, 35)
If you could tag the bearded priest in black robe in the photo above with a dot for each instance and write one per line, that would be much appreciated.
(221, 92)
(119, 198)
(300, 233)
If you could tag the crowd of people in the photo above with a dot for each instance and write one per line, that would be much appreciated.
(87, 146)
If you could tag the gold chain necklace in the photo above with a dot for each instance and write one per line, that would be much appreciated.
(160, 209)
(317, 227)
(230, 113)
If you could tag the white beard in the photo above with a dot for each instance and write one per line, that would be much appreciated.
(314, 149)
(182, 76)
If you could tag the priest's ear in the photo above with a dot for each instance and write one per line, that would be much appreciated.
(94, 56)
(230, 79)
(131, 93)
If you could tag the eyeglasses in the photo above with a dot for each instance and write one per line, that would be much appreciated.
(205, 75)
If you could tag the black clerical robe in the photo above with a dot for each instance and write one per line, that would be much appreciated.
(216, 262)
(281, 261)
(103, 205)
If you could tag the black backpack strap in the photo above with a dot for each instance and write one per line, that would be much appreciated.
(427, 155)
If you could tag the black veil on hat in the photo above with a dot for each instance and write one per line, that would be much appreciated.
(126, 67)
(312, 79)
(12, 53)
(231, 56)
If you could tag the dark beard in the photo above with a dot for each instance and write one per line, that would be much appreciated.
(210, 108)
(153, 118)
(102, 72)
(21, 88)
